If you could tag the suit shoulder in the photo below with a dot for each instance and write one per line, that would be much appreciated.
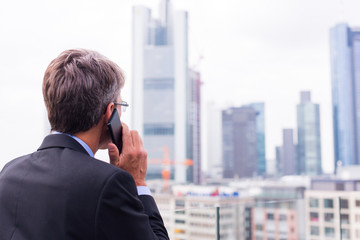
(105, 168)
(16, 161)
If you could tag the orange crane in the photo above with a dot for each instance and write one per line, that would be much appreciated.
(166, 163)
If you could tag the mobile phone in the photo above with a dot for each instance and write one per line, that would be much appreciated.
(115, 129)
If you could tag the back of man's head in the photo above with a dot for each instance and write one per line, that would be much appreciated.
(77, 87)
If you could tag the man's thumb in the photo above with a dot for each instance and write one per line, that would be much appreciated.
(113, 154)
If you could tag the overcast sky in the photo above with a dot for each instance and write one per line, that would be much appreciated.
(258, 50)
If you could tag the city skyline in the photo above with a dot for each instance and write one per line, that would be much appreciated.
(250, 57)
(290, 53)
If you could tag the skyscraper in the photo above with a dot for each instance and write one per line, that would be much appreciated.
(260, 136)
(286, 159)
(239, 142)
(345, 74)
(194, 127)
(309, 142)
(279, 160)
(214, 141)
(161, 87)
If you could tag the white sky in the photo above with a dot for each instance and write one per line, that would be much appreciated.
(255, 50)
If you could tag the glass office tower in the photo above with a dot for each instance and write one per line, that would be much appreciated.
(160, 89)
(286, 155)
(309, 141)
(214, 141)
(193, 173)
(260, 137)
(239, 145)
(345, 74)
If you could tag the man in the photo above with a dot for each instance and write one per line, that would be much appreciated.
(61, 191)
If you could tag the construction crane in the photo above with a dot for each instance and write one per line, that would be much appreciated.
(166, 162)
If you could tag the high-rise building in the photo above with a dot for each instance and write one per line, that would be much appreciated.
(239, 142)
(345, 74)
(214, 141)
(279, 160)
(286, 155)
(160, 87)
(194, 127)
(309, 142)
(260, 137)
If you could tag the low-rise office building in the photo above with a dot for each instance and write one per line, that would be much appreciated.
(205, 212)
(332, 209)
(248, 209)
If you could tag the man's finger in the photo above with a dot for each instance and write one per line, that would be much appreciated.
(141, 144)
(126, 137)
(113, 152)
(135, 139)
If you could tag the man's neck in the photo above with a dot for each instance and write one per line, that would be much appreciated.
(91, 138)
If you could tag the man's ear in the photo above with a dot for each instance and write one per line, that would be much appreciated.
(108, 112)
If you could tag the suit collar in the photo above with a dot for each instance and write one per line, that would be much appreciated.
(61, 141)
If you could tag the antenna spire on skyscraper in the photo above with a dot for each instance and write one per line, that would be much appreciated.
(342, 11)
(164, 12)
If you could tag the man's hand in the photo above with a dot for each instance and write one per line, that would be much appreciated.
(133, 158)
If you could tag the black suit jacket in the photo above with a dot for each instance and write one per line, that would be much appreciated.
(60, 192)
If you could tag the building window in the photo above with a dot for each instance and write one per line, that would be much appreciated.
(282, 217)
(339, 186)
(345, 233)
(357, 233)
(329, 232)
(180, 203)
(259, 227)
(159, 83)
(314, 231)
(344, 203)
(357, 218)
(345, 218)
(357, 203)
(270, 216)
(314, 202)
(181, 212)
(328, 203)
(180, 221)
(159, 129)
(314, 216)
(329, 217)
(179, 230)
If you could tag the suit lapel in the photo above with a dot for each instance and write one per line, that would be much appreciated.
(61, 141)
